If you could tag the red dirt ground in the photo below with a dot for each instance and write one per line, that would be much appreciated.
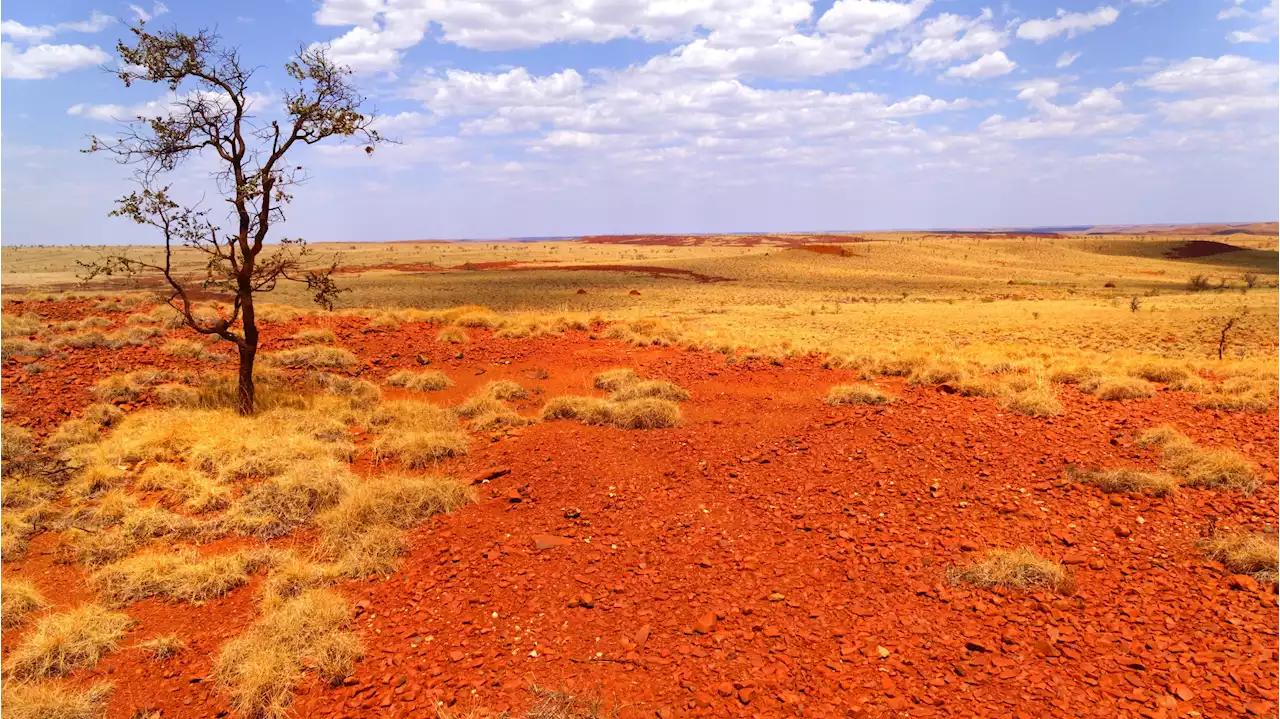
(771, 556)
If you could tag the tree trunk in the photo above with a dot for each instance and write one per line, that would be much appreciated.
(248, 353)
(244, 388)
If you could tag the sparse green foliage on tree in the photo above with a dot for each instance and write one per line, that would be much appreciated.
(214, 117)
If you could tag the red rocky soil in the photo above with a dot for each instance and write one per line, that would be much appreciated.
(771, 556)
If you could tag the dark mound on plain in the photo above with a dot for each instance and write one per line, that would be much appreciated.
(1200, 248)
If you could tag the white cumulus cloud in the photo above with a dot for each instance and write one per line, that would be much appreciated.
(1067, 59)
(989, 65)
(1069, 23)
(40, 62)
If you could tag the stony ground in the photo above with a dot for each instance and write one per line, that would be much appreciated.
(771, 556)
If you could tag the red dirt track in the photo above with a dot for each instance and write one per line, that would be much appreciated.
(772, 556)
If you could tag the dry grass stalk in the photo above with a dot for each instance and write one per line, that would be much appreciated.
(312, 357)
(310, 632)
(18, 599)
(1123, 479)
(858, 394)
(60, 643)
(632, 414)
(315, 334)
(452, 335)
(50, 700)
(1014, 569)
(1208, 469)
(1256, 553)
(180, 576)
(428, 381)
(163, 647)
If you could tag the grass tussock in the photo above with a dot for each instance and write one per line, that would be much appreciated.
(394, 501)
(452, 335)
(315, 335)
(16, 444)
(655, 389)
(1038, 400)
(165, 646)
(362, 393)
(60, 643)
(311, 632)
(1020, 569)
(417, 449)
(1197, 467)
(292, 499)
(190, 349)
(312, 357)
(181, 576)
(18, 599)
(616, 379)
(428, 381)
(1118, 389)
(631, 414)
(1123, 479)
(1254, 553)
(22, 347)
(20, 325)
(52, 700)
(857, 394)
(1239, 394)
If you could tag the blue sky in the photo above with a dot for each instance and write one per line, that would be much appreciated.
(548, 118)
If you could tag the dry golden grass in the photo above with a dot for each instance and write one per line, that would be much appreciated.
(392, 501)
(548, 704)
(1014, 569)
(50, 700)
(498, 417)
(410, 414)
(315, 334)
(15, 531)
(312, 357)
(111, 538)
(503, 389)
(428, 381)
(60, 643)
(190, 349)
(73, 432)
(1239, 394)
(18, 599)
(362, 393)
(452, 335)
(417, 449)
(653, 388)
(291, 499)
(1163, 373)
(128, 387)
(615, 379)
(1123, 479)
(16, 444)
(400, 501)
(195, 492)
(20, 326)
(858, 394)
(1038, 400)
(632, 414)
(20, 347)
(181, 576)
(165, 646)
(1256, 554)
(103, 414)
(1117, 389)
(310, 632)
(1208, 469)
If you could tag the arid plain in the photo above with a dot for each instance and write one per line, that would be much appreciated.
(863, 475)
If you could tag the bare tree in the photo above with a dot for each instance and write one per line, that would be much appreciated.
(253, 176)
(1228, 325)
